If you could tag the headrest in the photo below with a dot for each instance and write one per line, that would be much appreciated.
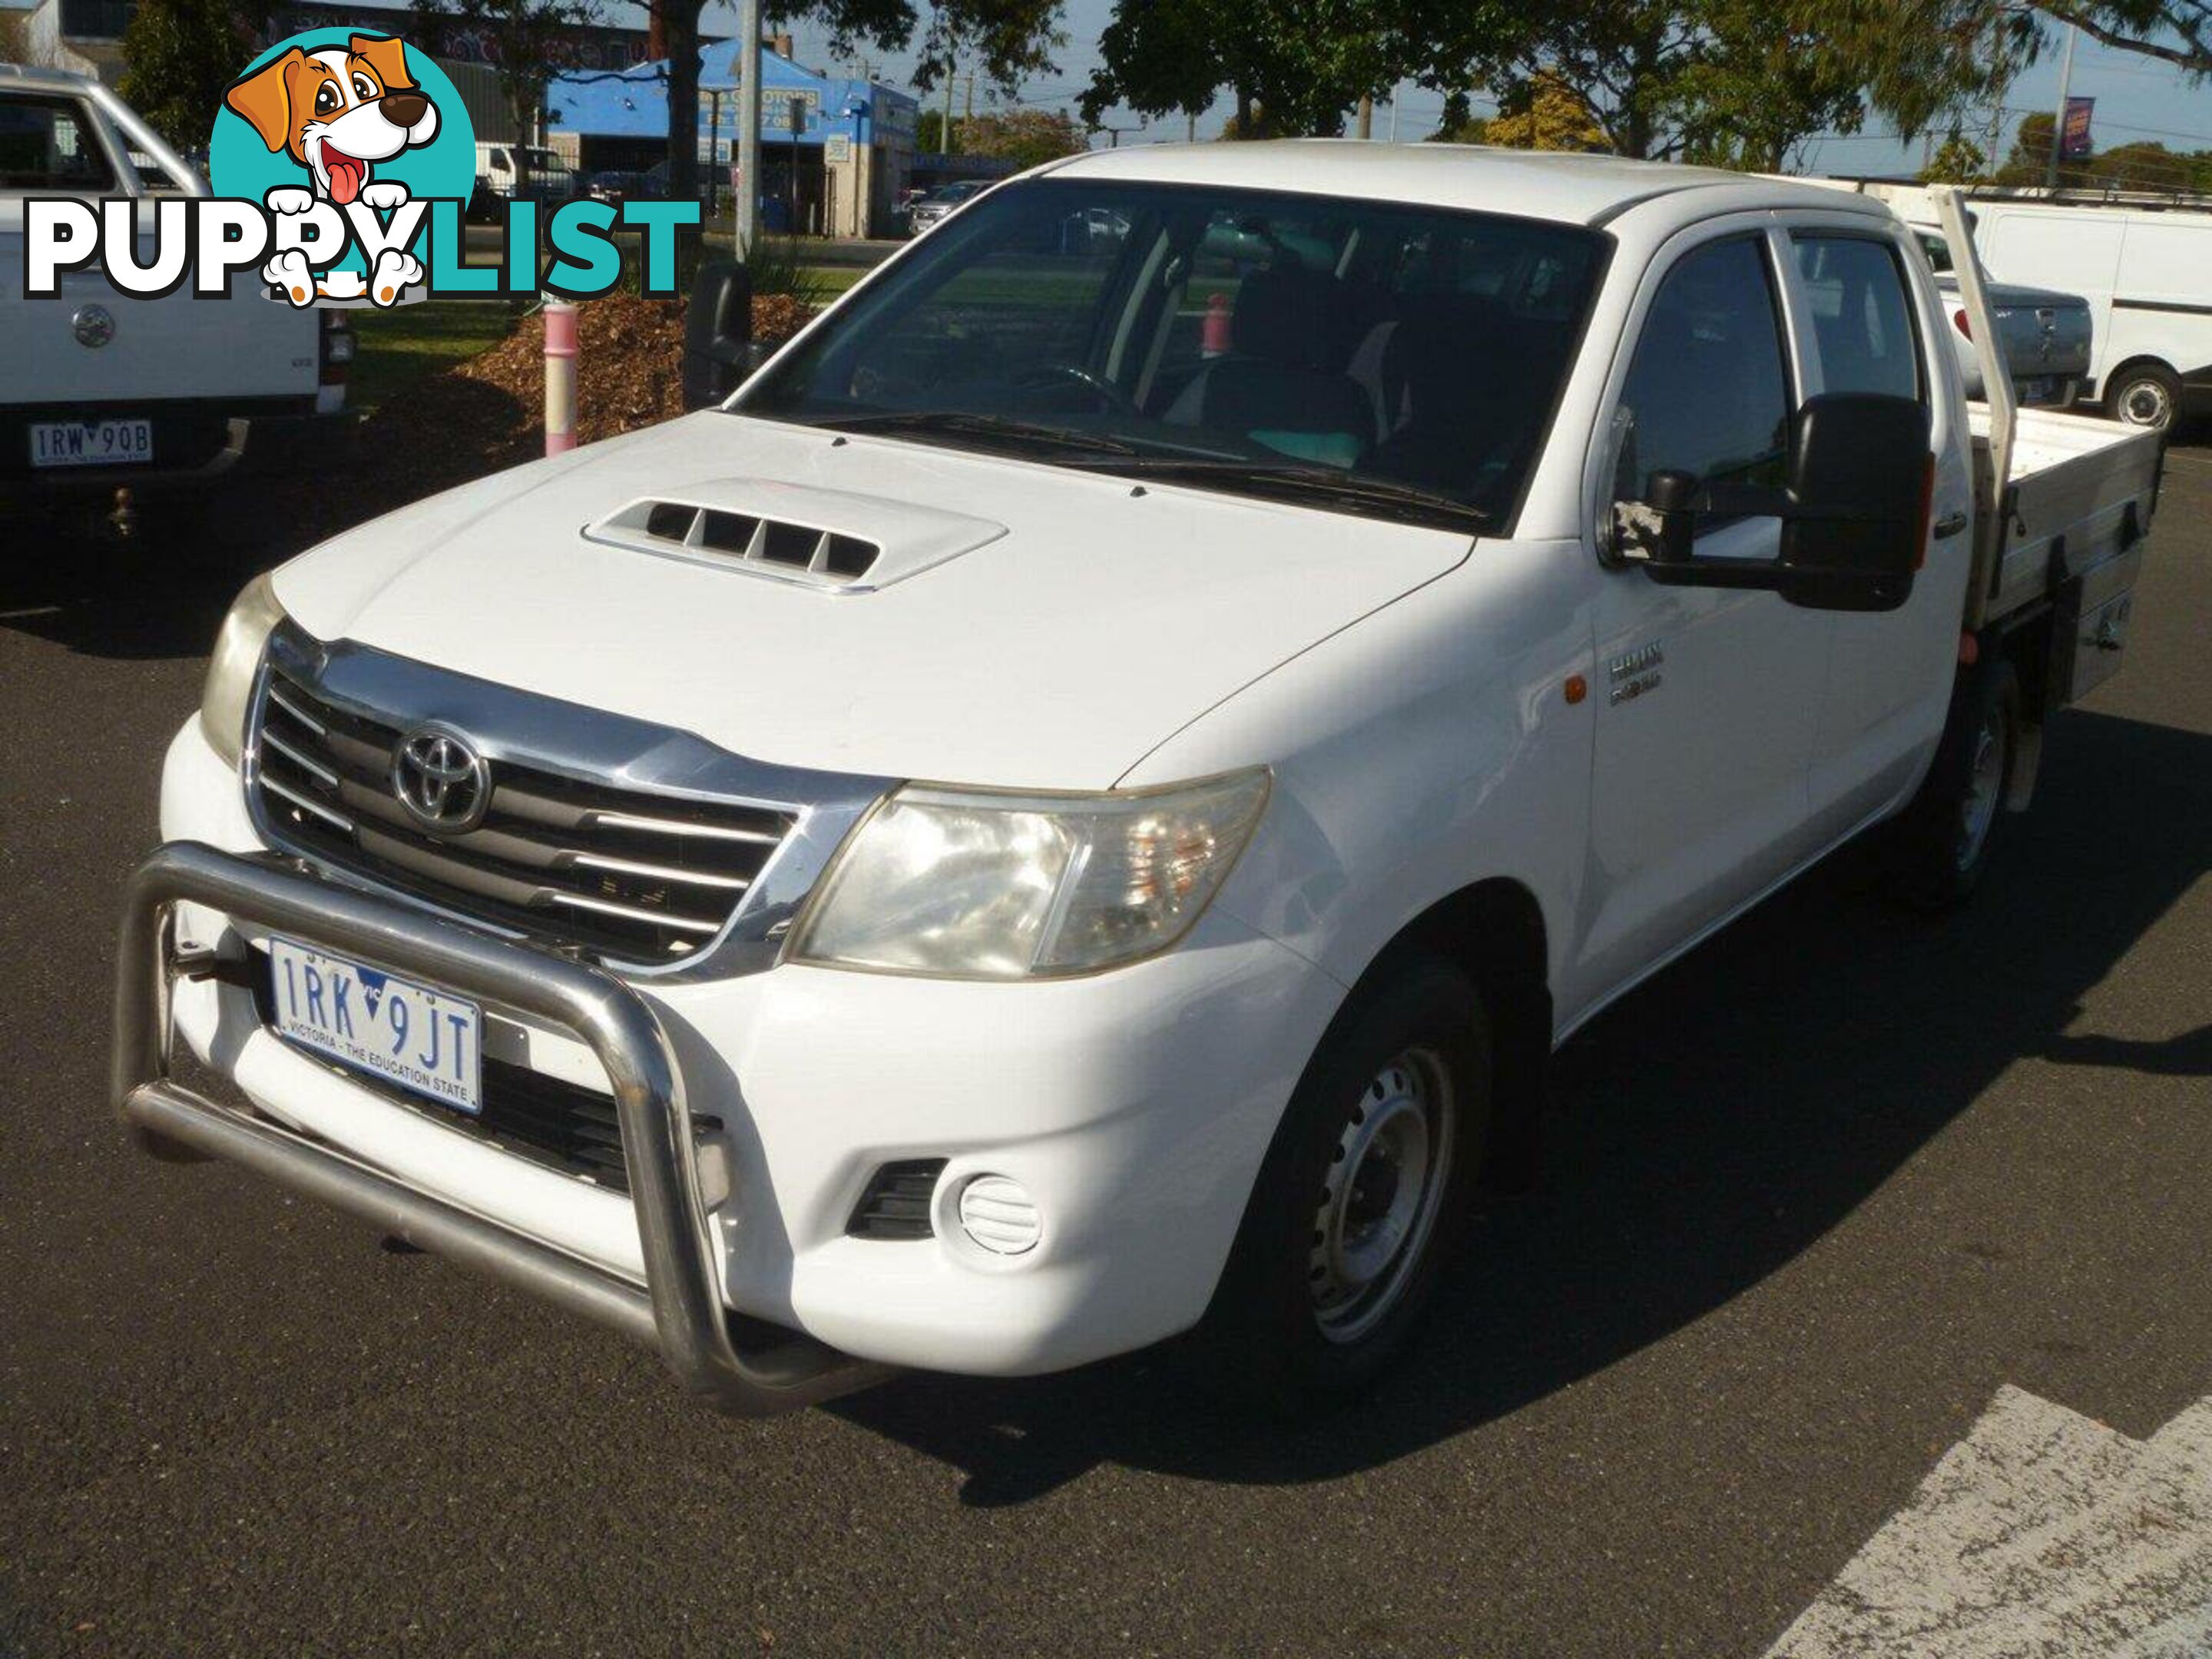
(1283, 316)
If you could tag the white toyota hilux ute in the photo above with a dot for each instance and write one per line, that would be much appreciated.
(1074, 807)
(101, 391)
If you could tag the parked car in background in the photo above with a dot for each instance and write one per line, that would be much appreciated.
(616, 186)
(1078, 804)
(98, 390)
(933, 208)
(2146, 275)
(2046, 337)
(527, 172)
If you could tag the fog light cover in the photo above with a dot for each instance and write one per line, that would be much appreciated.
(999, 1215)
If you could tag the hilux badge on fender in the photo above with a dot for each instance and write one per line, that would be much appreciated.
(440, 779)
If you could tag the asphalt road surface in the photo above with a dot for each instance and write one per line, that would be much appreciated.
(1815, 1196)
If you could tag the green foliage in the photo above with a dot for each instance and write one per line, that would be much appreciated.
(775, 268)
(1733, 82)
(1545, 114)
(1294, 66)
(2150, 167)
(178, 58)
(1958, 160)
(1027, 138)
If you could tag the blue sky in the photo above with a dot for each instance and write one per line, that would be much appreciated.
(2136, 98)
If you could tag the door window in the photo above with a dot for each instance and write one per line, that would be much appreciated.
(46, 143)
(1855, 291)
(1708, 390)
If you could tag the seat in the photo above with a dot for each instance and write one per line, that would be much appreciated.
(1278, 388)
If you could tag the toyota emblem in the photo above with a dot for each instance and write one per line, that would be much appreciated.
(440, 779)
(94, 325)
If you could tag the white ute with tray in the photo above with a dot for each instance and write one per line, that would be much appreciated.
(100, 392)
(1074, 806)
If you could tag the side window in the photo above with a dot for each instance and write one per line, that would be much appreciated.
(47, 143)
(1860, 315)
(1708, 390)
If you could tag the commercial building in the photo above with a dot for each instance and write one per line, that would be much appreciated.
(836, 151)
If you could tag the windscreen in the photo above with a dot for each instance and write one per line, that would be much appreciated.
(1243, 338)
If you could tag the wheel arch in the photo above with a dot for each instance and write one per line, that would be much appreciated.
(2119, 371)
(1494, 931)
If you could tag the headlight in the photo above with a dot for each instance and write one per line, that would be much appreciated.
(955, 884)
(230, 673)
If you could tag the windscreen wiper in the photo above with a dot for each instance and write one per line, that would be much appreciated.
(1299, 481)
(961, 423)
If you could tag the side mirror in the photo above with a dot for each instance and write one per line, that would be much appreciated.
(1854, 517)
(719, 350)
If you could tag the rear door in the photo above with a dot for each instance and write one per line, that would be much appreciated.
(1874, 324)
(58, 352)
(1710, 696)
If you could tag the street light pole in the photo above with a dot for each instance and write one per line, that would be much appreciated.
(749, 127)
(2058, 126)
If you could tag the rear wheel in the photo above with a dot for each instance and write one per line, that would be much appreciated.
(1357, 1202)
(2144, 394)
(1941, 845)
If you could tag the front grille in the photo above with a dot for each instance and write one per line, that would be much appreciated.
(625, 875)
(544, 1119)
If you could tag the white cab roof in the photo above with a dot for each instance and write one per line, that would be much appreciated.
(1569, 189)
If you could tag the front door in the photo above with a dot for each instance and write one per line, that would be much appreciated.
(1709, 698)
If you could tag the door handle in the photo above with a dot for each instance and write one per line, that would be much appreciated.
(1950, 525)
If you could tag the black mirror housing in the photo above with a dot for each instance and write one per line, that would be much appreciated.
(1854, 517)
(718, 331)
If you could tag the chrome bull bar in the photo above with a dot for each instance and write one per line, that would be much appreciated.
(678, 1310)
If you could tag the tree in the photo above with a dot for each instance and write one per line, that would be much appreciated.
(1027, 138)
(1958, 160)
(1733, 81)
(526, 42)
(179, 57)
(1293, 66)
(14, 38)
(1546, 116)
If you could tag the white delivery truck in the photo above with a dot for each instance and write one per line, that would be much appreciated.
(2143, 271)
(2146, 274)
(99, 391)
(1076, 804)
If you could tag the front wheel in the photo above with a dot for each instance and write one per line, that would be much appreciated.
(1356, 1206)
(2144, 394)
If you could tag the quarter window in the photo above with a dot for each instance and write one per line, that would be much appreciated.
(1856, 290)
(1708, 390)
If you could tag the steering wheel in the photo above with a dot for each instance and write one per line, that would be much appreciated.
(1107, 393)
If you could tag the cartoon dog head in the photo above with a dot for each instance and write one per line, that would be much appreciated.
(337, 113)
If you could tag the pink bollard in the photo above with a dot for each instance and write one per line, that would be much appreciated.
(560, 377)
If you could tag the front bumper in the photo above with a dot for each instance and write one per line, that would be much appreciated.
(1135, 1107)
(677, 1309)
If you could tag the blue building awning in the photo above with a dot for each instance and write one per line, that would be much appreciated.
(797, 107)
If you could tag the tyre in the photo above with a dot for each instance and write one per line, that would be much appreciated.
(2144, 394)
(1941, 845)
(1360, 1197)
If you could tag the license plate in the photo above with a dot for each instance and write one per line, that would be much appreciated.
(416, 1036)
(91, 443)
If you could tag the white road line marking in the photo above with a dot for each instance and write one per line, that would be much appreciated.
(2040, 1533)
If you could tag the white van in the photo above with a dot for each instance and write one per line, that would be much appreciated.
(527, 172)
(2146, 274)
